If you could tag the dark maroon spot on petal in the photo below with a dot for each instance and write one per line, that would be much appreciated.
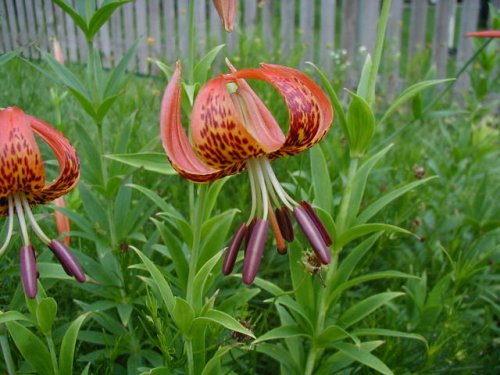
(285, 223)
(67, 260)
(29, 272)
(234, 247)
(317, 221)
(313, 234)
(254, 250)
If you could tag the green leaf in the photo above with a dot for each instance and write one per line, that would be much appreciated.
(102, 15)
(183, 315)
(337, 105)
(153, 196)
(282, 332)
(322, 184)
(365, 307)
(358, 185)
(31, 347)
(224, 320)
(161, 282)
(6, 57)
(215, 234)
(11, 316)
(212, 195)
(67, 351)
(340, 360)
(114, 80)
(365, 77)
(201, 278)
(66, 76)
(390, 333)
(334, 333)
(212, 367)
(150, 161)
(364, 229)
(363, 356)
(360, 125)
(167, 70)
(79, 20)
(46, 312)
(409, 93)
(201, 69)
(383, 201)
(282, 356)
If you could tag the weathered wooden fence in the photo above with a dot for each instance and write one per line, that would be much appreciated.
(316, 30)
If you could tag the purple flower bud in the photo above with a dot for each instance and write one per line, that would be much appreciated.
(254, 250)
(313, 234)
(234, 247)
(67, 260)
(29, 272)
(317, 222)
(285, 223)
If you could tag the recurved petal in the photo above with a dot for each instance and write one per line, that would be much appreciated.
(227, 12)
(310, 111)
(229, 128)
(21, 167)
(69, 164)
(174, 138)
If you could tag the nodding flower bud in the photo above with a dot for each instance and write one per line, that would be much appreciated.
(254, 250)
(29, 272)
(67, 260)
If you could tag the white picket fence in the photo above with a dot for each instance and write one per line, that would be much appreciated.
(305, 27)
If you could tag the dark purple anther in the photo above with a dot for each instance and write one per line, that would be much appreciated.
(285, 223)
(249, 232)
(234, 247)
(313, 234)
(67, 260)
(254, 250)
(317, 221)
(29, 273)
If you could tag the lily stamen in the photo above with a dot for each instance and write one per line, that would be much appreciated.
(22, 220)
(34, 225)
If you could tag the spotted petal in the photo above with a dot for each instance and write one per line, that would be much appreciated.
(69, 164)
(174, 137)
(232, 125)
(310, 111)
(21, 168)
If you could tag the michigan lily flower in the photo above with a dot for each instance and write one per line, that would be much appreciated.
(232, 130)
(22, 185)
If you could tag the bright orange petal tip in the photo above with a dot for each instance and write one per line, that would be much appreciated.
(227, 12)
(174, 138)
(484, 34)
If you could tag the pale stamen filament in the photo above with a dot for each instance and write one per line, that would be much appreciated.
(263, 190)
(10, 225)
(34, 225)
(254, 192)
(22, 220)
(285, 198)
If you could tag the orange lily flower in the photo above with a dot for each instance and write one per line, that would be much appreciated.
(22, 185)
(233, 130)
(227, 12)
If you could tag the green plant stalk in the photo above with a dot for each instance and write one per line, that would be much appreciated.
(7, 356)
(53, 357)
(322, 303)
(379, 46)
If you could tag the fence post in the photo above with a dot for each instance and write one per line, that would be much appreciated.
(306, 29)
(327, 37)
(267, 24)
(287, 27)
(393, 51)
(441, 36)
(349, 40)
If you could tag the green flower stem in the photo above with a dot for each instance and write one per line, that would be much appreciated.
(52, 350)
(379, 45)
(7, 356)
(341, 221)
(323, 294)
